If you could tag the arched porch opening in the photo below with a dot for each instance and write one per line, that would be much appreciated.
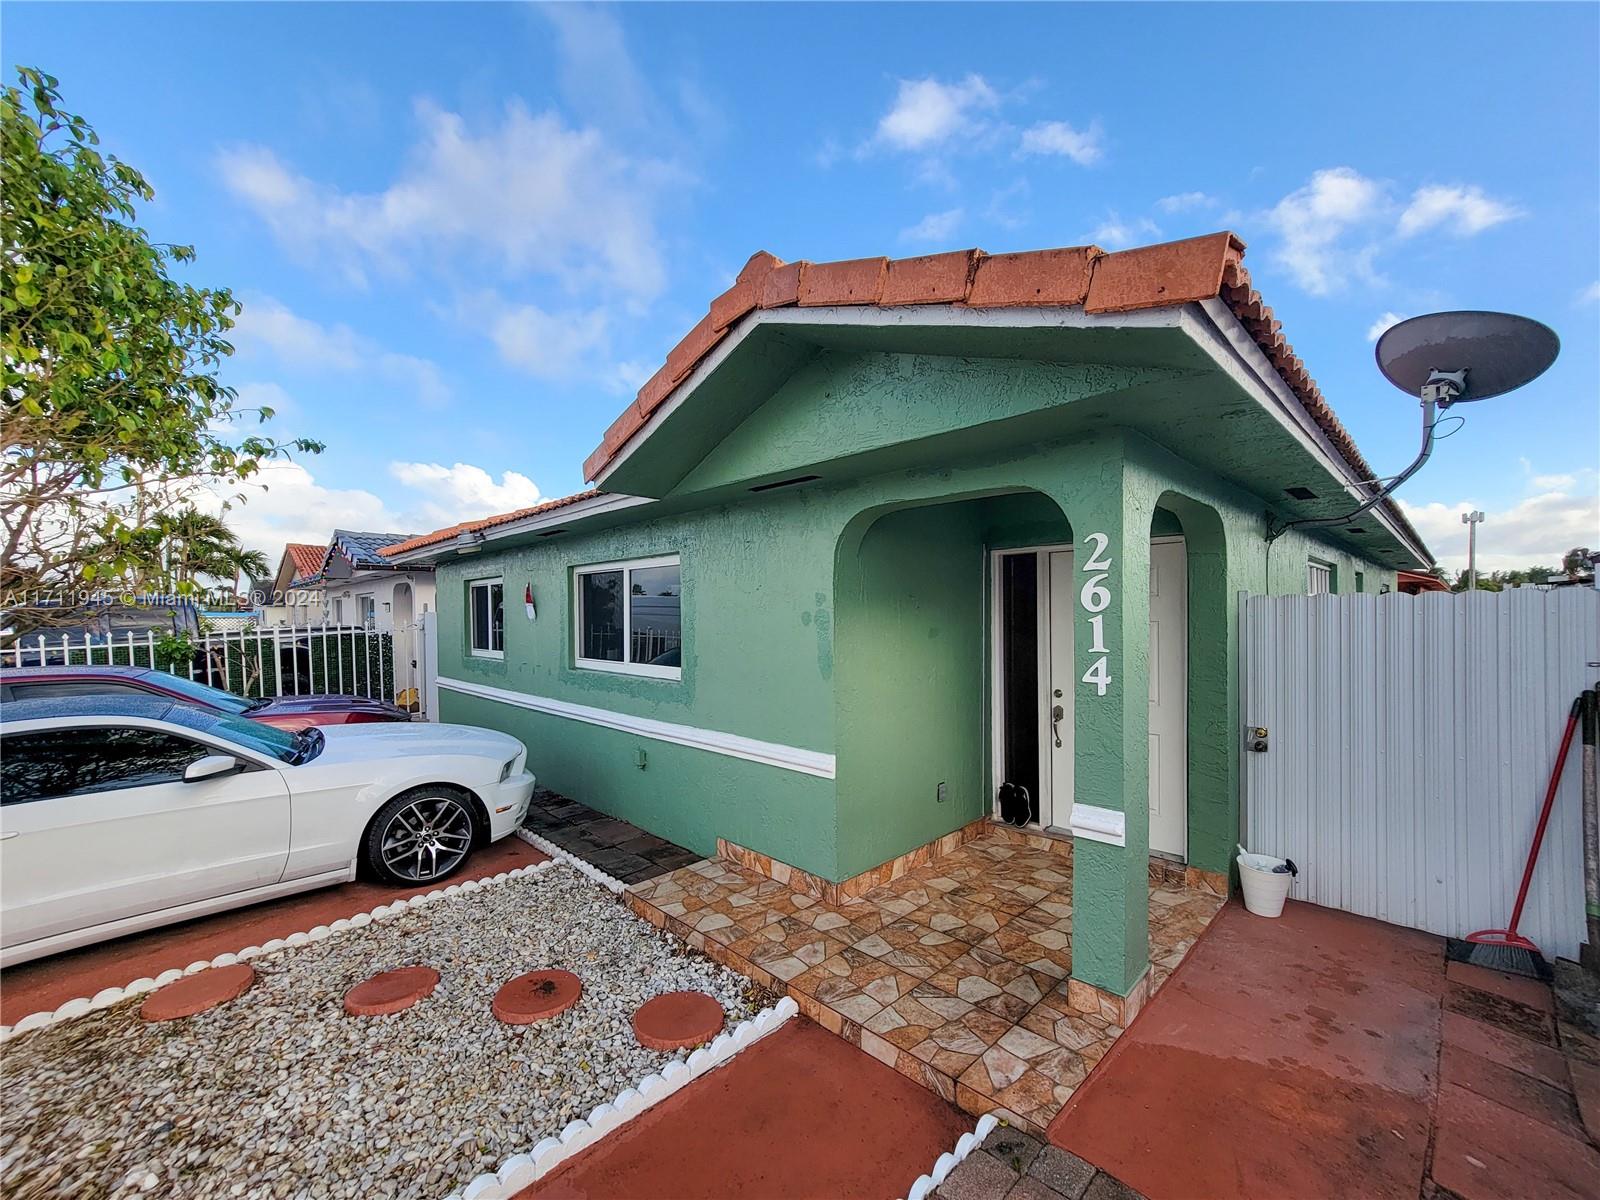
(913, 653)
(1193, 695)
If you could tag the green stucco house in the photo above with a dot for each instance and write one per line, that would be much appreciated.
(884, 535)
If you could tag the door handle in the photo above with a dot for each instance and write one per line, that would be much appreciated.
(1056, 714)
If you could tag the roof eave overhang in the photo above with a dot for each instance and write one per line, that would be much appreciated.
(1210, 324)
(569, 514)
(1215, 328)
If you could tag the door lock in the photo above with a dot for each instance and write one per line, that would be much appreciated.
(1056, 714)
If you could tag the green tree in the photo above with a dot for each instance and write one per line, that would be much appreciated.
(110, 400)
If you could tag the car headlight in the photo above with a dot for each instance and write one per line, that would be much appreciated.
(505, 771)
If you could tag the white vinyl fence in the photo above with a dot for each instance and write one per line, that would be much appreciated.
(1410, 742)
(304, 660)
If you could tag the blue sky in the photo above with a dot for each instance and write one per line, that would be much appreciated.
(465, 233)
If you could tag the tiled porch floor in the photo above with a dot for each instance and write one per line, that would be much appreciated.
(954, 974)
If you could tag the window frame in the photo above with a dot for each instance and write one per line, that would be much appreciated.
(1329, 572)
(365, 601)
(627, 566)
(486, 581)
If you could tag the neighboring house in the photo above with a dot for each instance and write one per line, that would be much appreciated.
(883, 535)
(289, 596)
(362, 587)
(1416, 582)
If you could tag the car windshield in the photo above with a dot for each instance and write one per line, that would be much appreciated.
(204, 694)
(249, 735)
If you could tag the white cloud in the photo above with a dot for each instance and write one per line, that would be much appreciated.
(927, 112)
(1082, 146)
(530, 194)
(1460, 210)
(1312, 221)
(935, 227)
(1376, 329)
(546, 345)
(284, 502)
(440, 495)
(1590, 294)
(1563, 512)
(1185, 201)
(1114, 233)
(299, 344)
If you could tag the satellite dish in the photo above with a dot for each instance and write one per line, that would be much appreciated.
(1498, 352)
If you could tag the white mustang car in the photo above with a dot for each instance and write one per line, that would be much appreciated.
(119, 813)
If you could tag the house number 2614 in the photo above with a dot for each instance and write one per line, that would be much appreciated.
(1096, 598)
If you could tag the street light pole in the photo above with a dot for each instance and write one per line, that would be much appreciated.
(1470, 520)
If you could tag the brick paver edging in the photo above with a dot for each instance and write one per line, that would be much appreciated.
(950, 1160)
(521, 1170)
(109, 996)
(616, 886)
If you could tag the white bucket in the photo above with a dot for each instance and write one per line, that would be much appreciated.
(1265, 889)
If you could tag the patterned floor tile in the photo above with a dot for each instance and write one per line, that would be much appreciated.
(954, 974)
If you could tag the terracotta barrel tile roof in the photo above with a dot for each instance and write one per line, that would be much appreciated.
(1172, 273)
(307, 559)
(454, 531)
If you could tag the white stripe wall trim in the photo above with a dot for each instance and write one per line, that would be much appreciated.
(772, 754)
(1099, 824)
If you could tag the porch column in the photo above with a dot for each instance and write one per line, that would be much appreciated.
(1110, 515)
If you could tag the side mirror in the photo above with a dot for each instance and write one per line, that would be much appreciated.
(210, 767)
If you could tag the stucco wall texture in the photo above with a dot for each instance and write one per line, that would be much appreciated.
(850, 616)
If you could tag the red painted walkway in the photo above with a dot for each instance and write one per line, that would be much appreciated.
(801, 1115)
(1301, 1057)
(47, 983)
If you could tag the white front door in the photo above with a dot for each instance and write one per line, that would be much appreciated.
(1169, 691)
(1058, 700)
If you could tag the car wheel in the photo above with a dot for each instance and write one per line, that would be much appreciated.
(420, 836)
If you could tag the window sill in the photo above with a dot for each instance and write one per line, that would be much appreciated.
(489, 655)
(641, 670)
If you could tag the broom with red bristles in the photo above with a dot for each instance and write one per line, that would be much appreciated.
(1506, 949)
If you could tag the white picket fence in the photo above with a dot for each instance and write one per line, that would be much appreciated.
(303, 660)
(1410, 739)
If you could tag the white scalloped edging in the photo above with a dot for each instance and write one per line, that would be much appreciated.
(949, 1161)
(518, 1171)
(110, 996)
(566, 856)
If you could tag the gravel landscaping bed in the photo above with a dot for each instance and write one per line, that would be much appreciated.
(279, 1093)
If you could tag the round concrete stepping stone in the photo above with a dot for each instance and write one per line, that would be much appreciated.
(390, 991)
(196, 993)
(676, 1020)
(536, 996)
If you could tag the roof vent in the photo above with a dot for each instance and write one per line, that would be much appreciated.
(552, 532)
(1300, 493)
(1355, 529)
(783, 483)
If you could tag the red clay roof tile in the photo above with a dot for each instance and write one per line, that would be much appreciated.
(307, 559)
(854, 281)
(758, 266)
(454, 531)
(1039, 278)
(781, 285)
(1159, 276)
(696, 344)
(931, 279)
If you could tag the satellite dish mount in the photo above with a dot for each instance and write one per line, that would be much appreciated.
(1483, 354)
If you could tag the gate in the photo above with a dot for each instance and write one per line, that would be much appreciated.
(1409, 741)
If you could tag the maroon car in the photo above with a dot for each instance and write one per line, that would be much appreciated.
(286, 712)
